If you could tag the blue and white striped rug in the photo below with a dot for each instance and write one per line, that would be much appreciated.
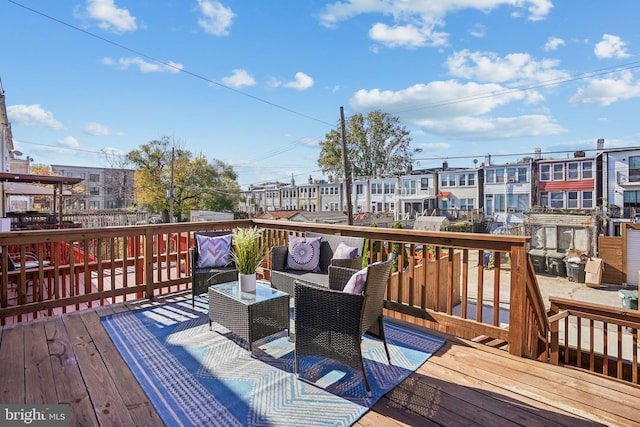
(198, 377)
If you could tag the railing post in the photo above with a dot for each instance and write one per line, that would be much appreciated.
(148, 262)
(517, 304)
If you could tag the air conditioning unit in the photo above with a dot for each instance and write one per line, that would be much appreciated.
(511, 210)
(622, 178)
(512, 180)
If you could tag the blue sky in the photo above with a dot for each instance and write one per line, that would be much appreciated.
(257, 84)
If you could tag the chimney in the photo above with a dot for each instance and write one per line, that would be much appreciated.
(537, 153)
(487, 159)
(577, 154)
(600, 144)
(445, 166)
(409, 168)
(310, 180)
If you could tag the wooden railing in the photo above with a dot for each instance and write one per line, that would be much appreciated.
(598, 338)
(442, 281)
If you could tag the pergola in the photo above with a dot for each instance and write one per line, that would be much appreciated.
(21, 183)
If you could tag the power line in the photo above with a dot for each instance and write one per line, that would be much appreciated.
(169, 65)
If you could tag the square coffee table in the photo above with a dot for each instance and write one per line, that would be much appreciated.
(249, 315)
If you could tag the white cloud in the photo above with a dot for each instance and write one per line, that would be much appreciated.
(436, 99)
(478, 31)
(514, 67)
(32, 115)
(216, 19)
(239, 78)
(617, 87)
(452, 109)
(553, 43)
(109, 16)
(69, 142)
(406, 35)
(302, 82)
(143, 66)
(413, 22)
(96, 129)
(433, 146)
(492, 128)
(611, 47)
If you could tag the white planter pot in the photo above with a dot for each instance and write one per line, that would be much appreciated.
(247, 282)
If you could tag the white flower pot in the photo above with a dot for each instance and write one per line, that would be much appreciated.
(247, 282)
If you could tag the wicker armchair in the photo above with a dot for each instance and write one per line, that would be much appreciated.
(203, 277)
(331, 323)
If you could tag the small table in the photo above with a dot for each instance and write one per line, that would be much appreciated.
(250, 315)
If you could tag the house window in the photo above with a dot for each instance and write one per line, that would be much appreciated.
(490, 176)
(471, 179)
(94, 205)
(424, 183)
(573, 171)
(556, 199)
(466, 204)
(94, 177)
(545, 172)
(558, 172)
(498, 202)
(634, 169)
(572, 199)
(519, 202)
(587, 199)
(522, 174)
(409, 186)
(94, 191)
(376, 188)
(359, 188)
(500, 175)
(587, 170)
(389, 188)
(445, 182)
(511, 174)
(463, 180)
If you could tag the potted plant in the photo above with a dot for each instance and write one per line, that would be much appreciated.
(248, 254)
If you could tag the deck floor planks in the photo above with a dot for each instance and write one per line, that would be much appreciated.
(463, 383)
(460, 382)
(140, 408)
(569, 399)
(38, 374)
(110, 407)
(69, 383)
(12, 365)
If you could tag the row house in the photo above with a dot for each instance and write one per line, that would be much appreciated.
(621, 186)
(507, 191)
(568, 183)
(502, 192)
(101, 188)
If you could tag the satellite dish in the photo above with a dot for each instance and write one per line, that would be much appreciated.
(17, 153)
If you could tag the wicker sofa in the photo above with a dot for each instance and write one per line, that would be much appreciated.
(283, 279)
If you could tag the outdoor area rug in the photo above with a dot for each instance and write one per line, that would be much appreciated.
(197, 376)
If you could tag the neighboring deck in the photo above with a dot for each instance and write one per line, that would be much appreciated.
(71, 359)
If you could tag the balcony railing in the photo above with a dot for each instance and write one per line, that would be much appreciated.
(99, 266)
(475, 286)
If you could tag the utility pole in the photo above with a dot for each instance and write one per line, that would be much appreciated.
(345, 168)
(171, 185)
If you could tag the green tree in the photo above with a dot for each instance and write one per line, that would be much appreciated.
(376, 144)
(197, 183)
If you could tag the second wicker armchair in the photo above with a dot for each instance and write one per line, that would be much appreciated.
(330, 323)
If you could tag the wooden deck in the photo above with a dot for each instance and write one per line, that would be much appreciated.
(70, 359)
